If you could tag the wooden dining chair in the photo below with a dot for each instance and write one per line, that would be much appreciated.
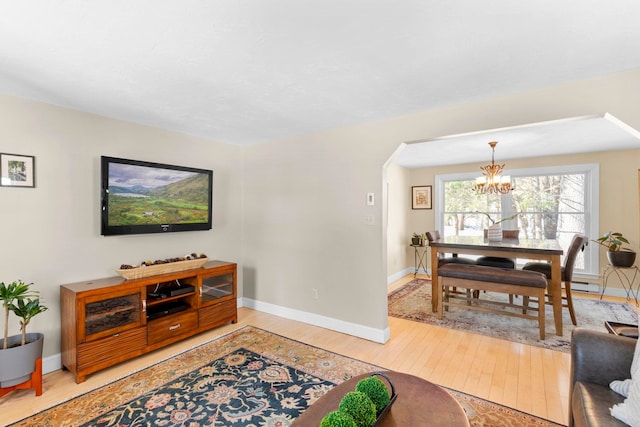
(578, 242)
(454, 258)
(442, 258)
(494, 261)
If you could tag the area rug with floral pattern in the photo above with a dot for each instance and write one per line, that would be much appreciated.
(413, 302)
(249, 377)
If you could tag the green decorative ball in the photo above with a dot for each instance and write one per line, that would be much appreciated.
(337, 419)
(360, 407)
(377, 391)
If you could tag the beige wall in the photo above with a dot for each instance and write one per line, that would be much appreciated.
(619, 202)
(51, 234)
(304, 198)
(398, 220)
(292, 212)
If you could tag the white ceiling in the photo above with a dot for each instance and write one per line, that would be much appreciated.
(249, 71)
(558, 137)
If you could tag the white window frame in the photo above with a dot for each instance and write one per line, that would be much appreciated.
(592, 197)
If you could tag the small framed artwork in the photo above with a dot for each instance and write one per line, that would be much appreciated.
(17, 170)
(421, 197)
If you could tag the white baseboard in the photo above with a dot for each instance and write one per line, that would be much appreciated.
(360, 331)
(409, 270)
(54, 362)
(595, 288)
(399, 275)
(51, 363)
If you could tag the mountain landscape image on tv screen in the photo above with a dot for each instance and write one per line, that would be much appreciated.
(141, 195)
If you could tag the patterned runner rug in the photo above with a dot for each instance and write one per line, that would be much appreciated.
(413, 302)
(249, 377)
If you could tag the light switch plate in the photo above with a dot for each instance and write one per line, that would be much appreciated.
(370, 199)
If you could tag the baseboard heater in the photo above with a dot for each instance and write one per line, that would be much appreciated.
(592, 288)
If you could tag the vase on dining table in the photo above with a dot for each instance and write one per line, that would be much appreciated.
(494, 233)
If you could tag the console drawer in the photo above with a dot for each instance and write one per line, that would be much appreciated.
(217, 313)
(109, 348)
(171, 326)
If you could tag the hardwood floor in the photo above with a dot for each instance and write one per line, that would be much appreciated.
(530, 379)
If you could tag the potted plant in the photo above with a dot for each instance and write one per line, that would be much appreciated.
(617, 255)
(18, 353)
(418, 239)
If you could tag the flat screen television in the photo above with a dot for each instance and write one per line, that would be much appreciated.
(143, 197)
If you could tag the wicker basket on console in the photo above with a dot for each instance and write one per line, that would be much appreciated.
(170, 267)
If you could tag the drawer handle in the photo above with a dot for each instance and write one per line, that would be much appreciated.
(174, 327)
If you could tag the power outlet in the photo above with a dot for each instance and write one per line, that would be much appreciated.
(314, 293)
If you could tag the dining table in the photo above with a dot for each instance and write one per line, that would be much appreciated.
(531, 249)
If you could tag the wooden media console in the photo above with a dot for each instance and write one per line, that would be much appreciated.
(111, 320)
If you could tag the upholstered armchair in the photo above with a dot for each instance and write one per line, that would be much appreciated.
(597, 358)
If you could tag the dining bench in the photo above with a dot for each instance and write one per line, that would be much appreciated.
(476, 278)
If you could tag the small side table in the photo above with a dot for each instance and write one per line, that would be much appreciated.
(623, 329)
(628, 277)
(420, 258)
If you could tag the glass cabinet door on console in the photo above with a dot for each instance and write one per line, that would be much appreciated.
(106, 315)
(216, 287)
(218, 298)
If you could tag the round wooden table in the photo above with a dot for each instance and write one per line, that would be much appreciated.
(419, 403)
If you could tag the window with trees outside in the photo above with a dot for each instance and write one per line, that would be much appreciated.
(548, 203)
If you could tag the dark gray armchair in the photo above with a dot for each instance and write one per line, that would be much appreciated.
(597, 358)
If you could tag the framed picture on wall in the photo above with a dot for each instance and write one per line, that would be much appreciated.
(421, 197)
(17, 170)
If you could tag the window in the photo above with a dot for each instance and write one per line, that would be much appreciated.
(548, 203)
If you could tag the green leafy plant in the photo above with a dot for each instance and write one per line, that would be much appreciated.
(19, 298)
(26, 309)
(613, 241)
(376, 390)
(418, 239)
(359, 407)
(337, 419)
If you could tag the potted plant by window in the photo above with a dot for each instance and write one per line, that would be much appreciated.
(18, 353)
(617, 255)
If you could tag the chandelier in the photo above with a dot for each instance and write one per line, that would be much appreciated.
(491, 181)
